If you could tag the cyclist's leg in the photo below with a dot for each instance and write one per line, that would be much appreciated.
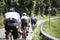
(7, 28)
(7, 35)
(27, 28)
(36, 22)
(32, 21)
(35, 25)
(22, 29)
(15, 33)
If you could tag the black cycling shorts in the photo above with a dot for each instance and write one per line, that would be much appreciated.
(14, 32)
(33, 21)
(10, 24)
(24, 25)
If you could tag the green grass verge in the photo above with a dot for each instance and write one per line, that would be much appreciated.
(1, 22)
(53, 29)
(1, 26)
(36, 34)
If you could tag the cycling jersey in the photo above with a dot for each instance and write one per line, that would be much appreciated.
(11, 23)
(14, 15)
(33, 20)
(25, 17)
(33, 17)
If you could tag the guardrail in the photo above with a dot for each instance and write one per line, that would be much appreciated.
(45, 35)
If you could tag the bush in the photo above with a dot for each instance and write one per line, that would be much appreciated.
(1, 22)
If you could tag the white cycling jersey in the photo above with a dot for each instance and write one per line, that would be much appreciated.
(33, 17)
(25, 17)
(12, 15)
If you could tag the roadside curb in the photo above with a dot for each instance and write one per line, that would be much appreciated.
(45, 35)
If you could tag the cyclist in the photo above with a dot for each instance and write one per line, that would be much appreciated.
(12, 22)
(33, 20)
(25, 21)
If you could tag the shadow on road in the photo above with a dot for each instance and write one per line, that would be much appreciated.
(2, 39)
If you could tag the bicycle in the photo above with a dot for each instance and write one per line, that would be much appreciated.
(24, 34)
(34, 26)
(34, 23)
(10, 35)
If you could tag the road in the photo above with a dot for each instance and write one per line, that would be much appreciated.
(29, 37)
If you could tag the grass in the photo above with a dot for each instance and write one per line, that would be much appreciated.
(36, 34)
(1, 22)
(53, 29)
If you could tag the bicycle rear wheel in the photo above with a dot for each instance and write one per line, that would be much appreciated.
(34, 26)
(10, 37)
(24, 34)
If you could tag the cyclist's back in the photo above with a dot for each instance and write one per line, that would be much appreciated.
(12, 15)
(33, 22)
(11, 20)
(33, 19)
(24, 20)
(24, 17)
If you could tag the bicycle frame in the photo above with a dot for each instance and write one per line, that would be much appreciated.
(24, 33)
(34, 26)
(10, 35)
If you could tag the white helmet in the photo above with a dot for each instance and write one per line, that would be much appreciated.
(24, 14)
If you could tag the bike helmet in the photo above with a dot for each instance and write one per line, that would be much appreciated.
(24, 14)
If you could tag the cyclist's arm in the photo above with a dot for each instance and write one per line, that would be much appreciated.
(19, 26)
(29, 19)
(19, 23)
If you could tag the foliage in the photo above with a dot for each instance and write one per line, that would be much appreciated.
(56, 3)
(27, 5)
(1, 22)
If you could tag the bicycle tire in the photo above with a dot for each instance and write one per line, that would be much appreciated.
(10, 37)
(34, 26)
(24, 34)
